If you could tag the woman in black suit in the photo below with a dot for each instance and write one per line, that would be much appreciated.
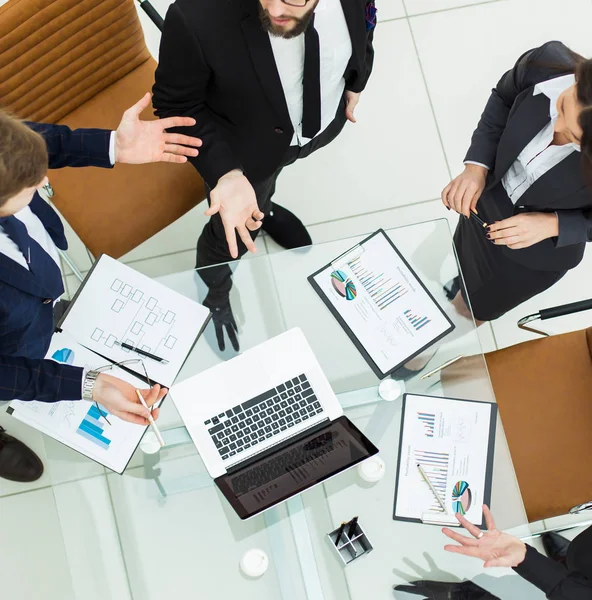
(526, 175)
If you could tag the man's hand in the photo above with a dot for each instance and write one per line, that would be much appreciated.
(524, 230)
(351, 101)
(464, 191)
(234, 198)
(495, 548)
(138, 142)
(120, 399)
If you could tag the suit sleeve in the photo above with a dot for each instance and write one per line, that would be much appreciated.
(359, 84)
(182, 78)
(552, 578)
(74, 148)
(528, 70)
(42, 380)
(575, 227)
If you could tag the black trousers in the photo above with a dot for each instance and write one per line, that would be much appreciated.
(495, 283)
(212, 248)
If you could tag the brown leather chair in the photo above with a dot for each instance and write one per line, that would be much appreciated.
(543, 389)
(82, 63)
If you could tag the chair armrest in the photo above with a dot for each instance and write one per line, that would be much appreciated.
(152, 13)
(556, 311)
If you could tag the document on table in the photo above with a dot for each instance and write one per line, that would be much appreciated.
(381, 303)
(118, 304)
(453, 440)
(81, 424)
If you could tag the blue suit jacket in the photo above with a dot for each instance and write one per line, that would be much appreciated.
(26, 318)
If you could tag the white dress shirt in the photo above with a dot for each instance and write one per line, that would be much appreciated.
(539, 156)
(335, 53)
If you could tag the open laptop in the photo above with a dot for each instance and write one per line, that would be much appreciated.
(268, 425)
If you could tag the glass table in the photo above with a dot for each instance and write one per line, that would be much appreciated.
(177, 537)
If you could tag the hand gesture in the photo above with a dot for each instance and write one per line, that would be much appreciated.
(495, 548)
(524, 230)
(234, 198)
(120, 399)
(351, 101)
(138, 142)
(464, 191)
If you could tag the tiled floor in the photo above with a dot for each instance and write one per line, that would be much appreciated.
(436, 61)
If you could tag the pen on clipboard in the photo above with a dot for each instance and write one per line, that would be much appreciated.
(151, 420)
(438, 369)
(143, 353)
(427, 480)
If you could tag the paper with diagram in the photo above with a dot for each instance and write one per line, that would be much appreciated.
(117, 304)
(453, 441)
(82, 425)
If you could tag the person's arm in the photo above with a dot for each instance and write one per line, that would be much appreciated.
(528, 70)
(357, 86)
(180, 87)
(575, 227)
(552, 578)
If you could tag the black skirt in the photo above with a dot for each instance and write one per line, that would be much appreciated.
(495, 283)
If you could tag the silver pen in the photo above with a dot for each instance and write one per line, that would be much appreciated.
(446, 364)
(427, 480)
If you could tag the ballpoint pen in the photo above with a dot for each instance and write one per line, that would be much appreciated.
(479, 220)
(352, 528)
(151, 420)
(446, 364)
(340, 533)
(427, 480)
(142, 352)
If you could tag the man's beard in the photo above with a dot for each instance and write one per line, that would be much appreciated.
(300, 24)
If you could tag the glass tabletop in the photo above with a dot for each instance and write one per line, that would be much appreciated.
(177, 535)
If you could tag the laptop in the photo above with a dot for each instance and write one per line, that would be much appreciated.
(268, 425)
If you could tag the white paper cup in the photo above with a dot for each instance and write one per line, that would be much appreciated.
(254, 562)
(372, 469)
(389, 389)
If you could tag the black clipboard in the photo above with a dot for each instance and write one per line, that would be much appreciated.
(489, 461)
(352, 336)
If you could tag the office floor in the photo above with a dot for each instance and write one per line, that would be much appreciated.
(436, 61)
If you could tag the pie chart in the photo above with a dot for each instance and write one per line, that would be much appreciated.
(462, 497)
(343, 285)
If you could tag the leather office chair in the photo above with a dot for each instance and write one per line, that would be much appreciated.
(543, 389)
(82, 63)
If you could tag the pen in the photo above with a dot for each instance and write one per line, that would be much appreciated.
(427, 480)
(446, 364)
(143, 353)
(352, 528)
(340, 533)
(151, 420)
(478, 219)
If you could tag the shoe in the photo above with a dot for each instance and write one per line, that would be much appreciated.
(555, 546)
(452, 288)
(414, 367)
(17, 461)
(285, 228)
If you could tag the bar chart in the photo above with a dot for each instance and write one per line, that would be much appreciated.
(428, 420)
(92, 427)
(435, 465)
(416, 320)
(382, 289)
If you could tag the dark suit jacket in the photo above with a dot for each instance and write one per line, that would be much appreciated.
(511, 119)
(556, 581)
(216, 64)
(26, 315)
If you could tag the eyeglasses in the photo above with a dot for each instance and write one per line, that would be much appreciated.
(299, 3)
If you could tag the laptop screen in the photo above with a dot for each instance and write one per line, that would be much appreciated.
(295, 466)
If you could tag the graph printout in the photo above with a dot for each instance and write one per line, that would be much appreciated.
(453, 442)
(81, 424)
(375, 295)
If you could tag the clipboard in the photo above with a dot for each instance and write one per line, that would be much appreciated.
(452, 435)
(350, 286)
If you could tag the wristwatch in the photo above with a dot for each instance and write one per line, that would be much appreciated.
(89, 384)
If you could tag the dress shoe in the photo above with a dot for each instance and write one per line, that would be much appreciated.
(285, 228)
(452, 288)
(555, 546)
(17, 461)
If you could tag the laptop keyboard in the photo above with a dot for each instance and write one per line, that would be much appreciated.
(265, 416)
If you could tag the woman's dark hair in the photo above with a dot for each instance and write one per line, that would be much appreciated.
(583, 74)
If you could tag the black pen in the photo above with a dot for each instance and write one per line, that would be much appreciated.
(352, 528)
(143, 353)
(340, 533)
(479, 220)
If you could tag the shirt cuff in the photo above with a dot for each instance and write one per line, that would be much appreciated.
(472, 162)
(112, 147)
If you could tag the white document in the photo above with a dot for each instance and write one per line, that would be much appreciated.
(118, 304)
(80, 424)
(382, 302)
(451, 440)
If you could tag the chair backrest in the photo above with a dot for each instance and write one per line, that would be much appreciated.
(57, 54)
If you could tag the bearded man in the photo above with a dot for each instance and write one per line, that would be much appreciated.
(268, 82)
